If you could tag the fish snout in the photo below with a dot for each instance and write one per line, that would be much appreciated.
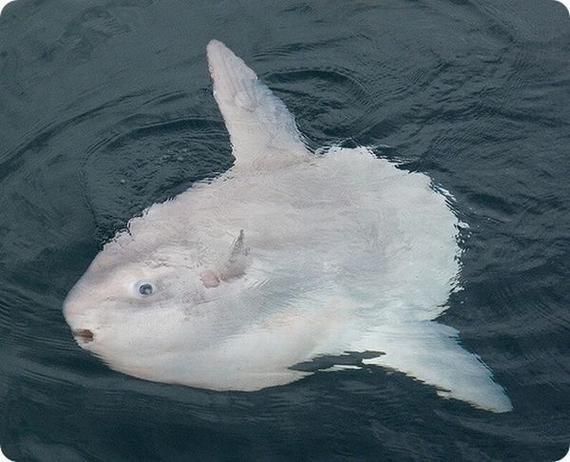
(83, 336)
(76, 320)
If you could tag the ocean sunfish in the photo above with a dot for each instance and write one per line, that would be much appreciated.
(288, 257)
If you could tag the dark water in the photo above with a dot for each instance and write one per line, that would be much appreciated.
(106, 108)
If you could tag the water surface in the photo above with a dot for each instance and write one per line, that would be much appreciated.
(106, 108)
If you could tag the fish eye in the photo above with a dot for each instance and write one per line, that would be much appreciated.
(145, 288)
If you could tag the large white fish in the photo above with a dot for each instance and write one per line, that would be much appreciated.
(287, 257)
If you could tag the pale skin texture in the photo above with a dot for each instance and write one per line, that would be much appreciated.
(288, 256)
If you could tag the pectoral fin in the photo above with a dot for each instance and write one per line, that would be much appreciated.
(238, 259)
(233, 267)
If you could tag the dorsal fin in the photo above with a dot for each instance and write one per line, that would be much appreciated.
(262, 130)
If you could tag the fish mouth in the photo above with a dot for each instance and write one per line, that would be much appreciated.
(83, 335)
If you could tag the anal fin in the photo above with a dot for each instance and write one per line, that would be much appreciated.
(430, 352)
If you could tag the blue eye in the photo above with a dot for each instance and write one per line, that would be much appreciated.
(145, 289)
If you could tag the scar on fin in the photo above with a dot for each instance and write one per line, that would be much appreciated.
(210, 279)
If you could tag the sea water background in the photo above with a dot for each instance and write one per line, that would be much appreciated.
(106, 108)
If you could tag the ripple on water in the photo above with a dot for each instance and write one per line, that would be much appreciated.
(106, 109)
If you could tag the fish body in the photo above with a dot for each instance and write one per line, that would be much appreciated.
(286, 257)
